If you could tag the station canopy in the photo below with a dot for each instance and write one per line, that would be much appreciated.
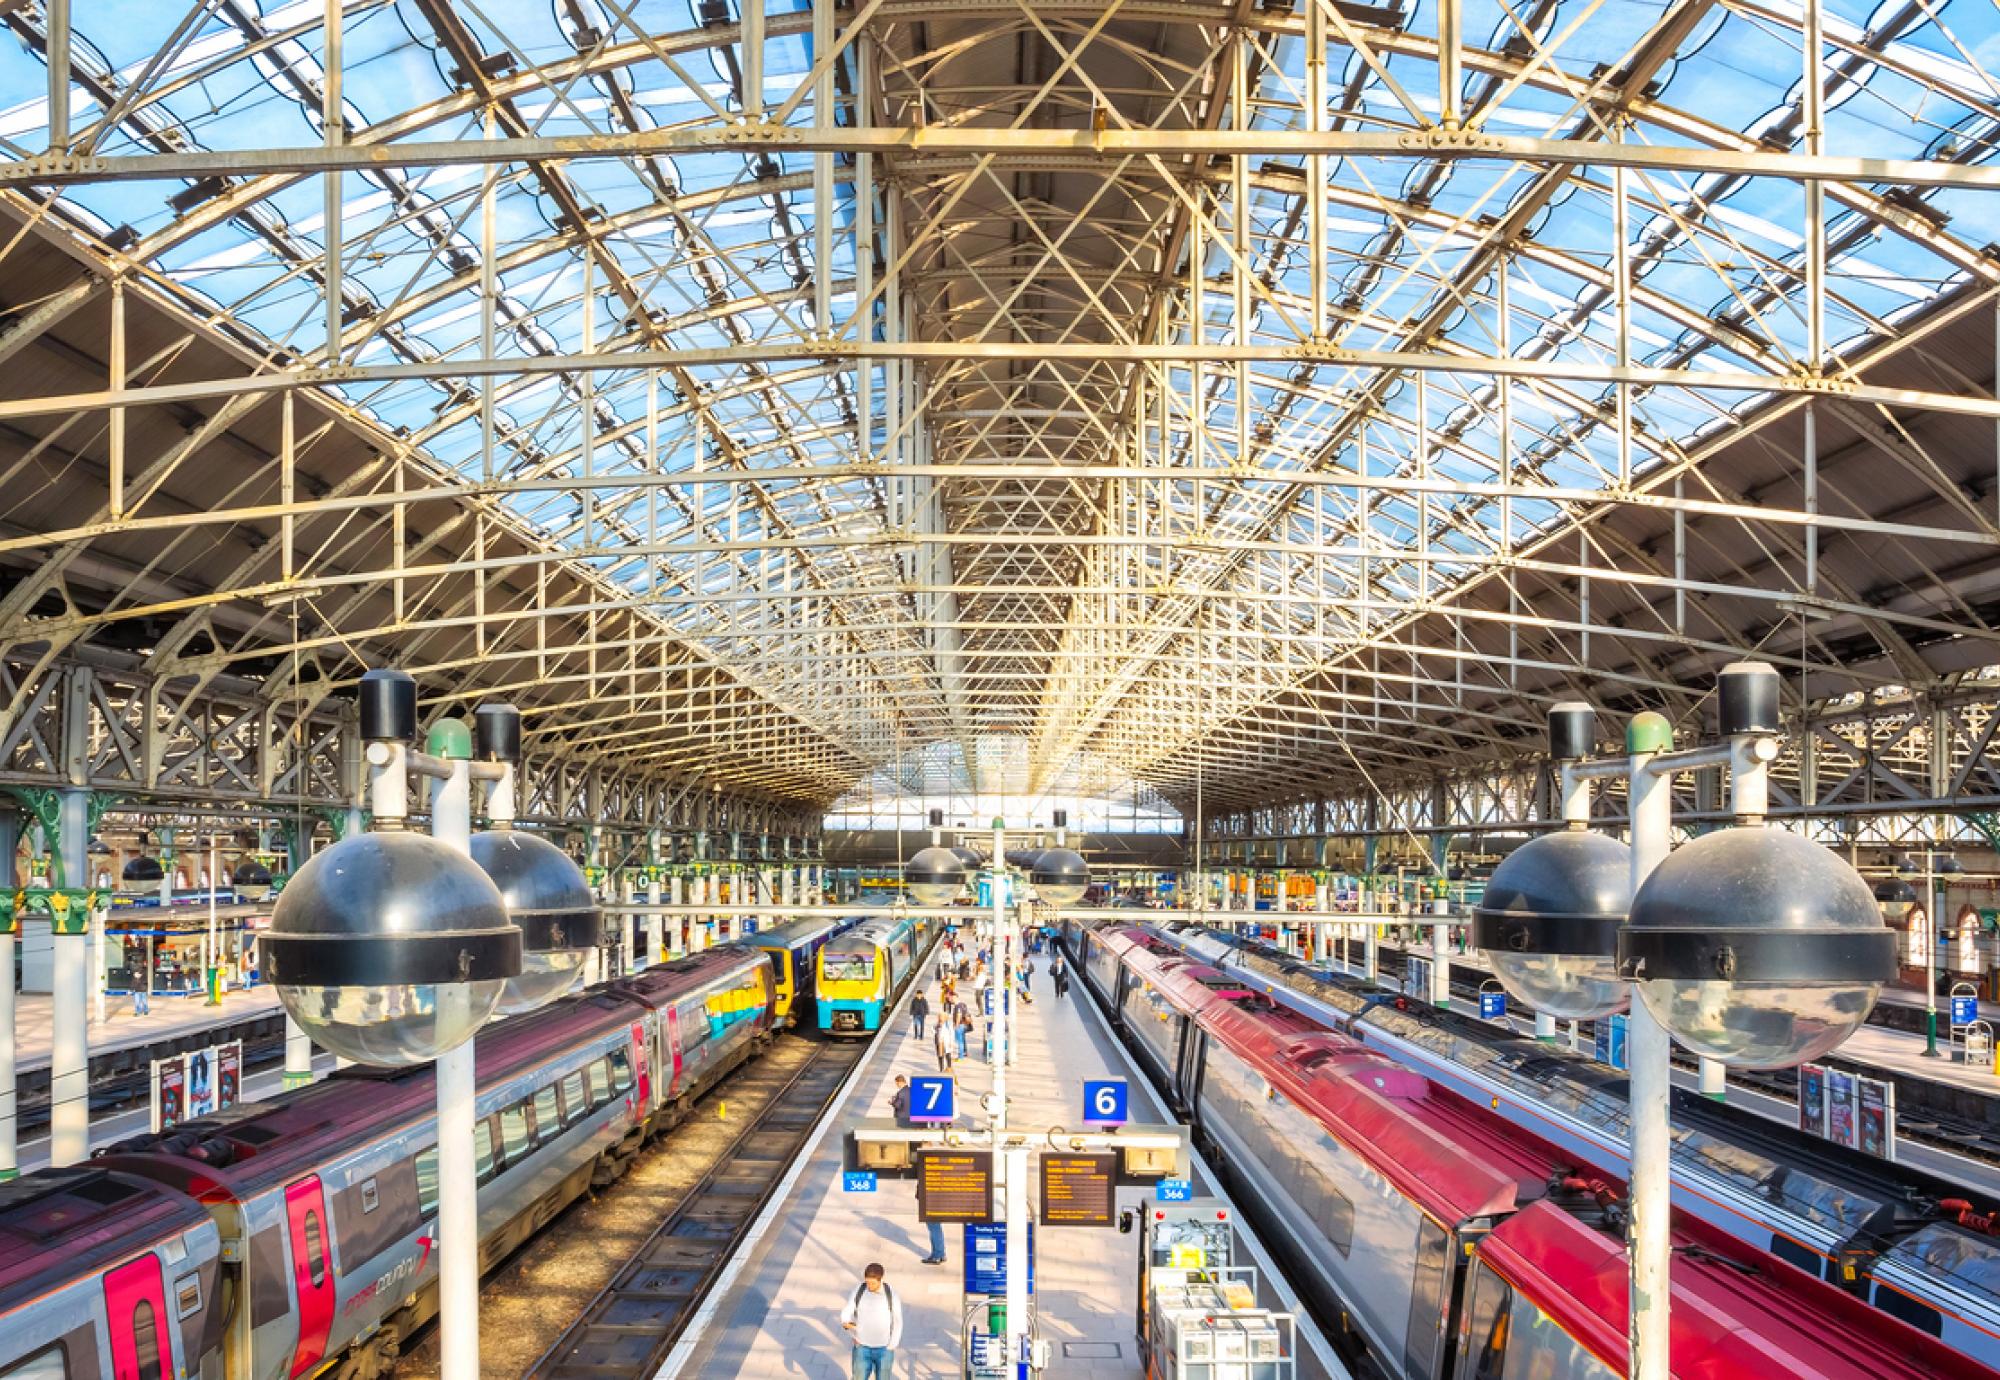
(1253, 397)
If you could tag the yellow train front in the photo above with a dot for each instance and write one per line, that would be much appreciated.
(794, 950)
(862, 972)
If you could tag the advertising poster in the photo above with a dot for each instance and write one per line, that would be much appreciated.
(169, 1092)
(200, 1083)
(1812, 1099)
(1840, 1127)
(1878, 1118)
(228, 1075)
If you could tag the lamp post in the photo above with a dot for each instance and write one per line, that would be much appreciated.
(1749, 946)
(391, 948)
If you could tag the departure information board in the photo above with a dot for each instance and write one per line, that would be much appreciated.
(954, 1185)
(1079, 1190)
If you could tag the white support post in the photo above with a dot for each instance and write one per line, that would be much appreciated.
(1440, 958)
(298, 1055)
(9, 1154)
(458, 1170)
(69, 1061)
(1648, 1233)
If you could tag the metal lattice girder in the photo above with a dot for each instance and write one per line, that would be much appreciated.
(1250, 399)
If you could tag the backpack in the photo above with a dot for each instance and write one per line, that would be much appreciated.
(862, 1288)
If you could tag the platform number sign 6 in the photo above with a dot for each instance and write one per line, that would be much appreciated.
(1107, 1103)
(932, 1099)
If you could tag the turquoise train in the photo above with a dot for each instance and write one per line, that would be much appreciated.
(864, 970)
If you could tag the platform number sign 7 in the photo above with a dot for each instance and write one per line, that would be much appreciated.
(932, 1099)
(1107, 1103)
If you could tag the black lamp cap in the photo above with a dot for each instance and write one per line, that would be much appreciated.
(143, 870)
(1747, 693)
(1572, 731)
(388, 706)
(496, 733)
(1820, 920)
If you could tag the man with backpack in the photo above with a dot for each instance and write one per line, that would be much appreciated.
(873, 1318)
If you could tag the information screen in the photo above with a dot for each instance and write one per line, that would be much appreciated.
(954, 1185)
(1079, 1190)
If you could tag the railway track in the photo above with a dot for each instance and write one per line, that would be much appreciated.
(631, 1325)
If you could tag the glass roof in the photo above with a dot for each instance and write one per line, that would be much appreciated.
(812, 588)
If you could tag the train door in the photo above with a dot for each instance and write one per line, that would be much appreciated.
(312, 1269)
(644, 1072)
(672, 1027)
(135, 1308)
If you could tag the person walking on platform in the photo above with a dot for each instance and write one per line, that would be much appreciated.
(961, 1025)
(1059, 975)
(942, 1043)
(873, 1317)
(920, 1007)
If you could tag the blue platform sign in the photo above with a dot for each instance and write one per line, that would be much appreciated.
(1964, 1010)
(1107, 1102)
(1492, 1006)
(932, 1099)
(989, 1001)
(1610, 1041)
(986, 1258)
(1174, 1191)
(858, 1181)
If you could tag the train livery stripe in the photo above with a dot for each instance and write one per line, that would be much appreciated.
(312, 1270)
(135, 1309)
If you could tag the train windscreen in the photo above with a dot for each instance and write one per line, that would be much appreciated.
(1947, 1251)
(849, 967)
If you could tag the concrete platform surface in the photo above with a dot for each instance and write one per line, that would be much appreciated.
(781, 1315)
(171, 1017)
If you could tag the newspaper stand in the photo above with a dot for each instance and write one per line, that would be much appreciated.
(1962, 1015)
(984, 1356)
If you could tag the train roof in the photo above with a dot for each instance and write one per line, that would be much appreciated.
(65, 1224)
(258, 1145)
(1735, 1313)
(869, 934)
(794, 933)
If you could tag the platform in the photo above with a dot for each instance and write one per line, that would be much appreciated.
(170, 1018)
(779, 1316)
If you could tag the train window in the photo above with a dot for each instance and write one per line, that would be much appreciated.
(1792, 1253)
(187, 1296)
(600, 1083)
(1433, 1259)
(694, 1025)
(1337, 1218)
(575, 1104)
(1539, 1348)
(315, 1249)
(514, 1133)
(1487, 1329)
(482, 1143)
(146, 1336)
(621, 1070)
(1900, 1305)
(371, 1196)
(51, 1363)
(548, 1121)
(427, 1181)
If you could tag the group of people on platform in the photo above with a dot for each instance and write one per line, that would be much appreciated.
(873, 1316)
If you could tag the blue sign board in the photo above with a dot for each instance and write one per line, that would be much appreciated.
(1174, 1191)
(1107, 1103)
(858, 1181)
(1492, 1005)
(1610, 1042)
(932, 1099)
(1964, 1010)
(986, 1258)
(989, 1002)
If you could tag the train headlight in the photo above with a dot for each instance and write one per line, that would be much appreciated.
(390, 948)
(1756, 947)
(1548, 923)
(1060, 876)
(548, 899)
(935, 876)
